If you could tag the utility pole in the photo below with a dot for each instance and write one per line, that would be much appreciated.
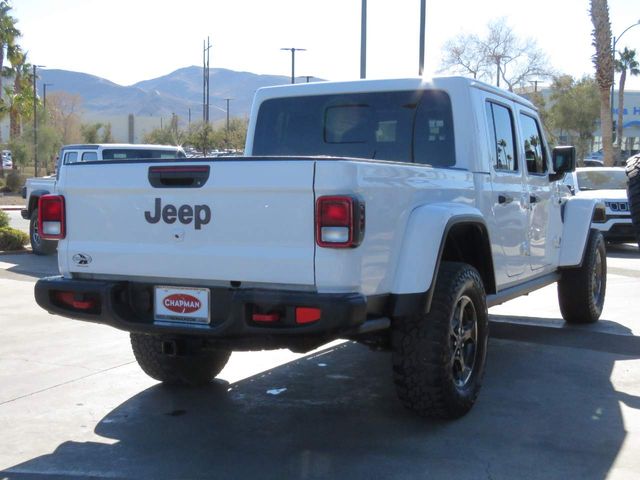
(205, 80)
(363, 40)
(35, 119)
(423, 15)
(44, 97)
(293, 61)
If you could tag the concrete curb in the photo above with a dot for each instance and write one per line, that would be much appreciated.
(8, 208)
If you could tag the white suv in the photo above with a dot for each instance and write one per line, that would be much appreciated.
(609, 185)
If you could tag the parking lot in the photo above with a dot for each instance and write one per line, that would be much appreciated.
(557, 401)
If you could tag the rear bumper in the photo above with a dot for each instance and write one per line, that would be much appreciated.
(25, 213)
(129, 306)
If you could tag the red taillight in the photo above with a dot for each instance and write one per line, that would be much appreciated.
(51, 217)
(76, 301)
(339, 222)
(307, 315)
(265, 317)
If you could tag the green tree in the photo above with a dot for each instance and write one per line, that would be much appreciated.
(96, 132)
(626, 63)
(169, 135)
(8, 35)
(603, 62)
(19, 99)
(574, 111)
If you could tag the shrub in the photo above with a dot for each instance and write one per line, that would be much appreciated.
(14, 181)
(4, 219)
(12, 239)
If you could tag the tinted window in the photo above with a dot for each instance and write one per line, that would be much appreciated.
(132, 154)
(534, 151)
(367, 125)
(70, 157)
(602, 180)
(501, 131)
(433, 135)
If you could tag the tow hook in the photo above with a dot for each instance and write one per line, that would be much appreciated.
(170, 348)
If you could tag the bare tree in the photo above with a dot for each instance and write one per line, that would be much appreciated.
(64, 110)
(463, 55)
(603, 61)
(498, 56)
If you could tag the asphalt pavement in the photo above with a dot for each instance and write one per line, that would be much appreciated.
(558, 401)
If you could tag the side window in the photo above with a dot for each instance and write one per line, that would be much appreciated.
(501, 130)
(70, 157)
(433, 142)
(89, 156)
(534, 151)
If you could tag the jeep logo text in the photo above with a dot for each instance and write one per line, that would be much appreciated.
(185, 214)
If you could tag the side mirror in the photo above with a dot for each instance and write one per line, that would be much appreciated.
(564, 161)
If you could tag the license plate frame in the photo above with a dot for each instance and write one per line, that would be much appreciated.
(177, 304)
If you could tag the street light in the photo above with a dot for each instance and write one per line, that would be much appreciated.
(613, 52)
(35, 119)
(293, 61)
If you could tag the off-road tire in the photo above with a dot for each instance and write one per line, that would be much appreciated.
(581, 290)
(39, 246)
(426, 352)
(191, 365)
(633, 192)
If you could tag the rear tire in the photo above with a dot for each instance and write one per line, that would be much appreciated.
(190, 365)
(439, 357)
(39, 246)
(633, 192)
(581, 290)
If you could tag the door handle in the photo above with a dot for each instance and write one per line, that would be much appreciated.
(504, 199)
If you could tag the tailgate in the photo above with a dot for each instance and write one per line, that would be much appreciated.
(251, 221)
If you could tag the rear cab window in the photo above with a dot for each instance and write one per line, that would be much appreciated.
(401, 126)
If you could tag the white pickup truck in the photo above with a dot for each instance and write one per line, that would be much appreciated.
(391, 212)
(38, 186)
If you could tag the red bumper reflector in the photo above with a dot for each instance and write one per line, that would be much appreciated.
(307, 315)
(69, 299)
(265, 317)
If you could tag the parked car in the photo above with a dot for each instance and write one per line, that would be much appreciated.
(609, 185)
(7, 159)
(84, 153)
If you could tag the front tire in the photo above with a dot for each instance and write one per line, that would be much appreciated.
(581, 290)
(39, 246)
(439, 358)
(189, 364)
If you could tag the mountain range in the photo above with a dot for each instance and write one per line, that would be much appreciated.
(178, 92)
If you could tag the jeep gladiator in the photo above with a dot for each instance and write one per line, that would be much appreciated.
(390, 212)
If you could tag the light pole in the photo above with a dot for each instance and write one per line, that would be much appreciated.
(293, 61)
(613, 52)
(35, 119)
(363, 40)
(44, 97)
(423, 14)
(228, 100)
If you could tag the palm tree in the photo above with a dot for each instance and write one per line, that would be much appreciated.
(8, 35)
(627, 62)
(603, 61)
(20, 98)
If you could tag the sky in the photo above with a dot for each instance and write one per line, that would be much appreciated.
(127, 41)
